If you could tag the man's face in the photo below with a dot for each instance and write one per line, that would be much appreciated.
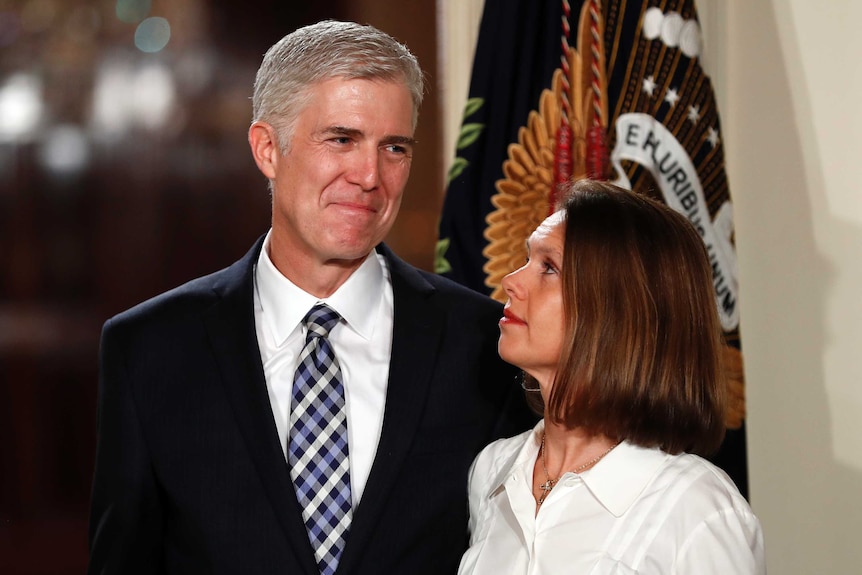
(337, 191)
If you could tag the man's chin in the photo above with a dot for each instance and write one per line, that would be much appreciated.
(352, 247)
(352, 257)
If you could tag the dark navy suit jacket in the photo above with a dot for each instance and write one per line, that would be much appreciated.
(190, 476)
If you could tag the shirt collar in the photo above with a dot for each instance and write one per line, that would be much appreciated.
(616, 481)
(524, 458)
(284, 304)
(622, 475)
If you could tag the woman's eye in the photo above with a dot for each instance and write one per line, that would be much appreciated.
(548, 268)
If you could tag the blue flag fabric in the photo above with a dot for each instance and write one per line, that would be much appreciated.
(605, 89)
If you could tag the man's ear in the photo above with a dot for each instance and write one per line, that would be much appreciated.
(264, 147)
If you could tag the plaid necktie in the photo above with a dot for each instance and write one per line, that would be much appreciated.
(317, 451)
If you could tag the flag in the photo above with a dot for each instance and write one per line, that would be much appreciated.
(610, 90)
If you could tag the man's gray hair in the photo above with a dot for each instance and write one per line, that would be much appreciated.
(323, 51)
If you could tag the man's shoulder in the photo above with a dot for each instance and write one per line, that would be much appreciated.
(191, 297)
(444, 289)
(194, 296)
(457, 290)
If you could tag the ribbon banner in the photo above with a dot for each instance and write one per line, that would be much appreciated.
(642, 139)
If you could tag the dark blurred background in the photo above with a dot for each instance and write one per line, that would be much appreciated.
(125, 171)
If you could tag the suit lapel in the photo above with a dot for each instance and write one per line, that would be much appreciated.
(230, 323)
(417, 333)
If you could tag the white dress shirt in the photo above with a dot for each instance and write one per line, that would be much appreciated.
(638, 511)
(362, 341)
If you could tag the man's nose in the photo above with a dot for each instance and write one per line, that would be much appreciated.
(365, 171)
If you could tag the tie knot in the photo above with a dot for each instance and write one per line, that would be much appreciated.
(320, 320)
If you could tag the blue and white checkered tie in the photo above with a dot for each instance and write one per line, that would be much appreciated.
(317, 448)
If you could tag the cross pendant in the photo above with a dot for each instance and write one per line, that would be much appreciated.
(546, 489)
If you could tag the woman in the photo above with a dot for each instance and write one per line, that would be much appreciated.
(614, 322)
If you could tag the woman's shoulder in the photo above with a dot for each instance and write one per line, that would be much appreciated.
(498, 457)
(708, 477)
(504, 449)
(708, 519)
(699, 489)
(690, 513)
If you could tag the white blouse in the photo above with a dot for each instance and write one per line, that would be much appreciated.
(636, 511)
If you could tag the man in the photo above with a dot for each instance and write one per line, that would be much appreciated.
(319, 378)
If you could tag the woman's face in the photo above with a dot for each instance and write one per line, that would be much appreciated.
(531, 331)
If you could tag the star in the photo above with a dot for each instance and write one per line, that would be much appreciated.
(712, 136)
(694, 114)
(649, 85)
(671, 97)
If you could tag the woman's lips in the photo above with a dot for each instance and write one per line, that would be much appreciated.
(510, 318)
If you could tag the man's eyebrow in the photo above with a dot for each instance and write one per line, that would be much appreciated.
(407, 141)
(356, 133)
(342, 131)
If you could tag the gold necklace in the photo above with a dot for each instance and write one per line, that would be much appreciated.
(549, 483)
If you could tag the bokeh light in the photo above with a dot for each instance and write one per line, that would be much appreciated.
(152, 34)
(20, 107)
(65, 150)
(129, 96)
(156, 96)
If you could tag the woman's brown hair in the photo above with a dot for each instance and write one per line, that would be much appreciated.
(642, 356)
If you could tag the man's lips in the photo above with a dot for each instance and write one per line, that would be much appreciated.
(355, 206)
